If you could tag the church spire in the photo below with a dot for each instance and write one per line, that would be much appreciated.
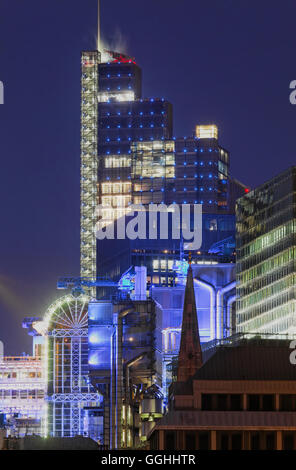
(190, 354)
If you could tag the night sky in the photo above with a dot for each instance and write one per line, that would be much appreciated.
(228, 62)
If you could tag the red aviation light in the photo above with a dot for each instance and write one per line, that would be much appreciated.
(247, 190)
(121, 58)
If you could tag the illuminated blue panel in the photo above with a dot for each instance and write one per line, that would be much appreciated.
(100, 330)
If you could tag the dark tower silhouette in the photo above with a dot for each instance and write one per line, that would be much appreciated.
(190, 354)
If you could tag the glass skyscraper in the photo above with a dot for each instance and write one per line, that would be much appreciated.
(140, 162)
(124, 117)
(266, 224)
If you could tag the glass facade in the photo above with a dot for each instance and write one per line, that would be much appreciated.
(202, 174)
(141, 163)
(266, 257)
(123, 118)
(153, 171)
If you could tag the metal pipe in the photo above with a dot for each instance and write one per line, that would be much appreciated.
(220, 308)
(211, 289)
(229, 325)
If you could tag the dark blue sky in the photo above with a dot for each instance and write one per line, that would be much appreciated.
(224, 61)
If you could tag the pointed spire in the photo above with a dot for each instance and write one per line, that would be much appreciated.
(190, 354)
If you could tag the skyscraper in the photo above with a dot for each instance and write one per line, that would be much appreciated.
(124, 117)
(266, 257)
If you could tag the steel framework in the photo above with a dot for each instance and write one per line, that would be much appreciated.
(89, 164)
(67, 355)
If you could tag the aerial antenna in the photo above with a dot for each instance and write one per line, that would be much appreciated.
(99, 26)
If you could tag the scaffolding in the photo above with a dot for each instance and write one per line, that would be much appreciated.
(89, 164)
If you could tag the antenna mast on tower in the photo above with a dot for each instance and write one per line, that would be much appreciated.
(99, 26)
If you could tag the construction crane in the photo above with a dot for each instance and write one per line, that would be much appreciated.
(125, 283)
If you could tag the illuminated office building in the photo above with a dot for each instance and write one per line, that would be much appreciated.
(202, 171)
(177, 171)
(124, 117)
(266, 257)
(22, 394)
